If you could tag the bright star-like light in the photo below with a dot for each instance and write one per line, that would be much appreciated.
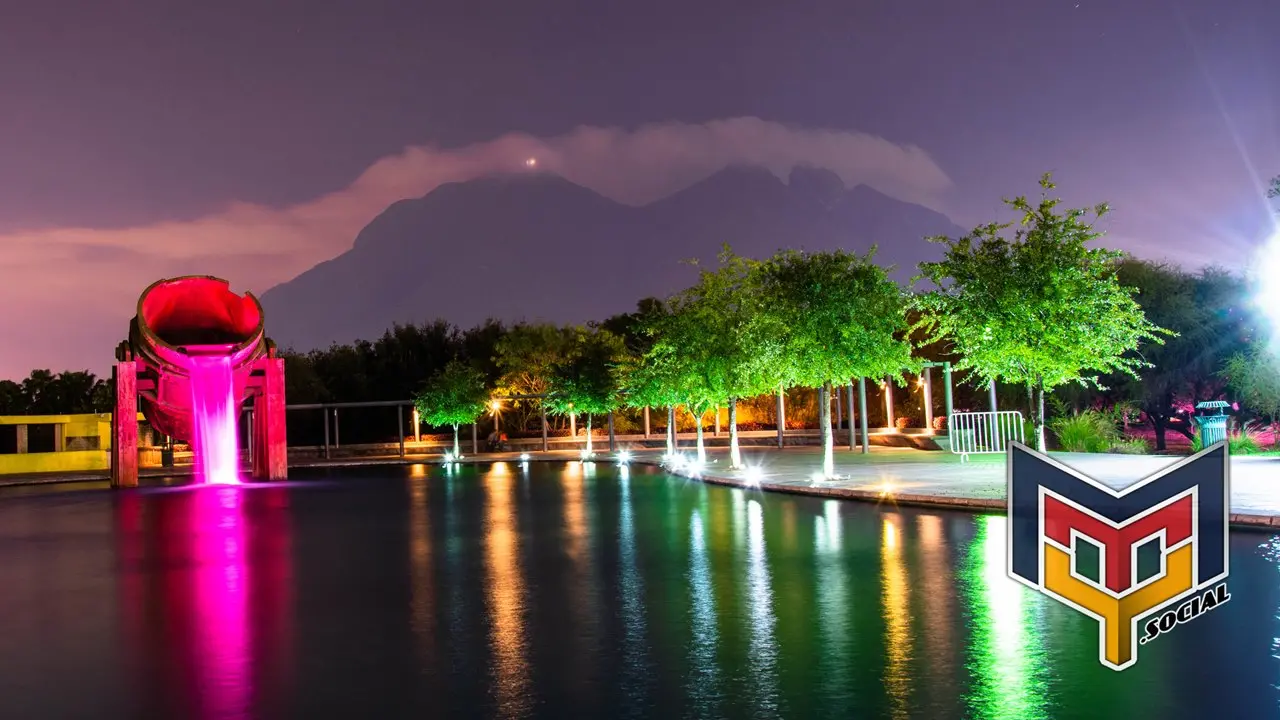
(1267, 265)
(531, 163)
(753, 475)
(624, 457)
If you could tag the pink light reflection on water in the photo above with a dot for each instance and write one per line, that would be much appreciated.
(213, 419)
(223, 648)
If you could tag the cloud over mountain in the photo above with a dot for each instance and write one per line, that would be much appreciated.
(69, 291)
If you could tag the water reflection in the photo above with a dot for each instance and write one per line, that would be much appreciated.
(938, 589)
(633, 613)
(505, 596)
(704, 680)
(763, 657)
(1007, 655)
(226, 550)
(896, 599)
(833, 602)
(422, 586)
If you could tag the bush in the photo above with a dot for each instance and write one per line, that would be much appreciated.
(1241, 440)
(904, 422)
(940, 423)
(1130, 446)
(1089, 431)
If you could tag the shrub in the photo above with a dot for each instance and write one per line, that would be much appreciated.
(1130, 446)
(904, 422)
(940, 423)
(1241, 440)
(1089, 431)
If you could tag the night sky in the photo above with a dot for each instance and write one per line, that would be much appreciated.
(252, 139)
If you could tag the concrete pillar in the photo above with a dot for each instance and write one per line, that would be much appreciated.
(839, 410)
(337, 442)
(782, 417)
(613, 443)
(573, 426)
(888, 403)
(271, 441)
(646, 422)
(23, 442)
(59, 437)
(545, 445)
(249, 435)
(991, 394)
(848, 396)
(475, 440)
(946, 379)
(715, 431)
(325, 413)
(417, 426)
(124, 426)
(928, 400)
(400, 424)
(862, 414)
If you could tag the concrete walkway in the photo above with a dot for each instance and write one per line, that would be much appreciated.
(914, 477)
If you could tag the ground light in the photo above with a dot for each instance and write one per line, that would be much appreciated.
(753, 475)
(624, 457)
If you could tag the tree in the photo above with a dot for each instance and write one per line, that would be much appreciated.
(1041, 309)
(1204, 314)
(524, 358)
(585, 379)
(1254, 375)
(838, 316)
(454, 396)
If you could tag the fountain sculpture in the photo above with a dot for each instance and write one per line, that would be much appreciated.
(196, 354)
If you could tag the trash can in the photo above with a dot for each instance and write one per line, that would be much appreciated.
(1213, 423)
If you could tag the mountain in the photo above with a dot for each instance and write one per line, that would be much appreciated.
(542, 248)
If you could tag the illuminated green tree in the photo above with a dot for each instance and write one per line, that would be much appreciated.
(1254, 376)
(586, 379)
(651, 378)
(525, 357)
(837, 316)
(1042, 309)
(454, 396)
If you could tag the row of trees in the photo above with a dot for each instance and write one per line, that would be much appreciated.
(1030, 304)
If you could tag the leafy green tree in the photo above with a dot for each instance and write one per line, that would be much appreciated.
(837, 315)
(452, 397)
(1254, 375)
(524, 359)
(650, 376)
(586, 378)
(1040, 310)
(1204, 313)
(721, 342)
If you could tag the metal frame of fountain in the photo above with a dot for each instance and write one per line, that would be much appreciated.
(183, 324)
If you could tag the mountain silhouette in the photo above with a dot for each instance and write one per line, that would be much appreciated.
(542, 248)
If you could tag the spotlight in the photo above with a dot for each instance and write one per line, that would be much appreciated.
(753, 475)
(624, 457)
(524, 457)
(696, 467)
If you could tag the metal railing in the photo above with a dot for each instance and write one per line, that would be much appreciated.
(978, 433)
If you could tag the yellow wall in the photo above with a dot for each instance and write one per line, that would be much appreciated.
(74, 426)
(54, 462)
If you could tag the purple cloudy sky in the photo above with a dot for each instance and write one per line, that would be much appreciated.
(252, 139)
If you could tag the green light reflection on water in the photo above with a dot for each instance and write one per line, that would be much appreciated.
(1006, 656)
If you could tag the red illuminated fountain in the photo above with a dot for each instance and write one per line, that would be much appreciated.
(195, 355)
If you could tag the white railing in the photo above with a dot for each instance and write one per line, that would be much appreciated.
(975, 433)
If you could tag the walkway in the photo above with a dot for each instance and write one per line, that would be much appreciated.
(914, 477)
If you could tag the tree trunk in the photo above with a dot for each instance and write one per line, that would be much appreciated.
(588, 434)
(1039, 416)
(702, 449)
(1159, 424)
(828, 438)
(457, 448)
(671, 430)
(735, 455)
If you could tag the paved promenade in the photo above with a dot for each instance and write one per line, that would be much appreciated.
(916, 477)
